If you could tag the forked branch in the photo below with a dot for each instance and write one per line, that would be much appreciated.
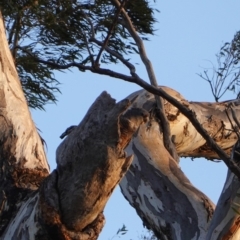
(160, 107)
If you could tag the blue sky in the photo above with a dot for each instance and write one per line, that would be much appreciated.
(188, 35)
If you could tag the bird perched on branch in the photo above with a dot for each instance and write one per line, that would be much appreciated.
(67, 131)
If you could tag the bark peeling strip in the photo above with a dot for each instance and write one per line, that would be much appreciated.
(24, 220)
(145, 149)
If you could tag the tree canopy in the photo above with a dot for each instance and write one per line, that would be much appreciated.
(58, 34)
(45, 36)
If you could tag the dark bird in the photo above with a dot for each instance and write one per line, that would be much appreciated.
(67, 131)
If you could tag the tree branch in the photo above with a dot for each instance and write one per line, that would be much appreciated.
(105, 43)
(160, 107)
(23, 160)
(182, 106)
(130, 66)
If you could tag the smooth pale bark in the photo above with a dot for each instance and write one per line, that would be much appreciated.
(212, 116)
(225, 222)
(155, 185)
(226, 219)
(22, 157)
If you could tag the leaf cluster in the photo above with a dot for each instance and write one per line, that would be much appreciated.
(46, 34)
(121, 231)
(225, 75)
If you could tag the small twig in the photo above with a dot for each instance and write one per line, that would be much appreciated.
(105, 43)
(206, 78)
(92, 36)
(88, 49)
(11, 32)
(130, 66)
(233, 127)
(90, 24)
(16, 36)
(226, 71)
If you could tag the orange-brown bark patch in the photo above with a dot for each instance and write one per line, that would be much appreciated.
(55, 229)
(232, 230)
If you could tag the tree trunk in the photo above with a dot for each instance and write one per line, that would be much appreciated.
(226, 219)
(22, 158)
(68, 203)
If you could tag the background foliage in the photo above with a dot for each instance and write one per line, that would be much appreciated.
(53, 35)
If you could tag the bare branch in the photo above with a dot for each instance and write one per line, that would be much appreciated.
(92, 36)
(160, 107)
(105, 43)
(11, 31)
(16, 36)
(130, 66)
(226, 75)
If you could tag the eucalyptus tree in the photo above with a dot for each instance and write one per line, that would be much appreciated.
(137, 141)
